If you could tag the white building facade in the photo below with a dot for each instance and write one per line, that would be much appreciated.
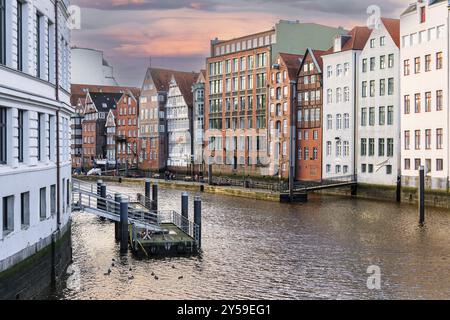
(378, 132)
(198, 92)
(35, 160)
(341, 68)
(424, 93)
(90, 67)
(179, 128)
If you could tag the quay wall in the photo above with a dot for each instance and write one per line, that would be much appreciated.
(41, 267)
(409, 195)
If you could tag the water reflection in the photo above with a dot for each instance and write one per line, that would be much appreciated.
(263, 250)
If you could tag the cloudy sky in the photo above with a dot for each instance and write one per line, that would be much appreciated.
(177, 33)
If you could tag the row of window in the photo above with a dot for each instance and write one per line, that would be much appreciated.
(276, 77)
(439, 64)
(385, 147)
(428, 167)
(311, 96)
(279, 93)
(338, 169)
(305, 154)
(428, 139)
(241, 143)
(342, 149)
(423, 36)
(340, 70)
(8, 205)
(246, 44)
(45, 129)
(439, 102)
(381, 116)
(215, 105)
(382, 63)
(125, 111)
(338, 121)
(369, 168)
(382, 88)
(238, 64)
(342, 95)
(123, 122)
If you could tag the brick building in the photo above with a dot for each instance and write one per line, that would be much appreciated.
(283, 80)
(309, 117)
(237, 92)
(126, 129)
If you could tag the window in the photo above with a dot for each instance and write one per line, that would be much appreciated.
(381, 116)
(38, 52)
(406, 70)
(439, 60)
(382, 41)
(52, 199)
(328, 148)
(407, 164)
(371, 116)
(40, 132)
(389, 169)
(407, 140)
(3, 135)
(428, 139)
(417, 103)
(20, 133)
(306, 153)
(390, 116)
(439, 100)
(329, 122)
(346, 121)
(19, 35)
(363, 168)
(68, 186)
(2, 32)
(422, 15)
(381, 147)
(382, 62)
(390, 147)
(417, 163)
(428, 102)
(439, 138)
(43, 203)
(372, 43)
(25, 209)
(363, 147)
(364, 65)
(363, 117)
(390, 86)
(338, 122)
(417, 65)
(439, 164)
(370, 168)
(371, 147)
(382, 87)
(407, 104)
(364, 89)
(417, 140)
(391, 61)
(427, 63)
(372, 64)
(8, 214)
(372, 88)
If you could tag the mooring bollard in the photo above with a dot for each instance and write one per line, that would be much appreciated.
(185, 212)
(103, 195)
(198, 218)
(155, 197)
(117, 199)
(99, 194)
(399, 189)
(422, 194)
(123, 224)
(147, 194)
(210, 175)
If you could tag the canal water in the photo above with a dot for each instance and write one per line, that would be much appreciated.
(263, 250)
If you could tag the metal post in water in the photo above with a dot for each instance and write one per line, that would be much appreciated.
(147, 194)
(399, 189)
(185, 212)
(99, 194)
(103, 195)
(422, 194)
(123, 224)
(155, 197)
(198, 219)
(210, 175)
(117, 200)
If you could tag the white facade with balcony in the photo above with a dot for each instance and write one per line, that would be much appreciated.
(425, 72)
(34, 103)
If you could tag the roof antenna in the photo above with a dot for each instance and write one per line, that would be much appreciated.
(150, 61)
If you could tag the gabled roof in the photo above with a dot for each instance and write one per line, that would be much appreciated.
(79, 91)
(184, 81)
(105, 101)
(413, 6)
(393, 27)
(161, 77)
(358, 37)
(316, 56)
(292, 62)
(111, 119)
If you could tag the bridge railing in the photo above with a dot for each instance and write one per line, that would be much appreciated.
(86, 199)
(303, 186)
